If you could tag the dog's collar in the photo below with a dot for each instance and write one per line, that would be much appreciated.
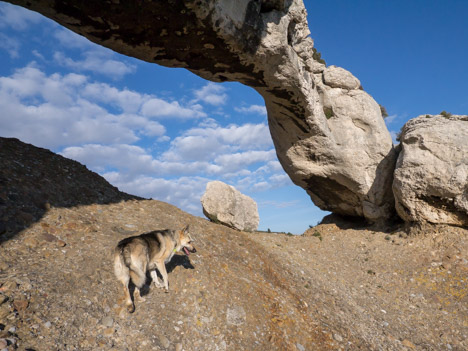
(175, 250)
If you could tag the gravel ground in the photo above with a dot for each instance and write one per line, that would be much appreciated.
(340, 286)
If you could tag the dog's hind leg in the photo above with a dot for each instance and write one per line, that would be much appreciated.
(123, 275)
(155, 278)
(162, 269)
(138, 275)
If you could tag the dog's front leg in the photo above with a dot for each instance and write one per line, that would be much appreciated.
(155, 278)
(162, 269)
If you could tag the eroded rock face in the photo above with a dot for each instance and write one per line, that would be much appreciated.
(431, 176)
(222, 203)
(329, 136)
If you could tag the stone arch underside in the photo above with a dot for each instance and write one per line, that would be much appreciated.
(328, 133)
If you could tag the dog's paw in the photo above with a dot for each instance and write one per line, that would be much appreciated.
(131, 308)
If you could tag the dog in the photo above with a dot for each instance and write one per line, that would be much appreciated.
(136, 255)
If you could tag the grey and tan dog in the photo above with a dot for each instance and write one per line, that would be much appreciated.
(136, 255)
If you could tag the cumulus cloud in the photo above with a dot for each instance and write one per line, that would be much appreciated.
(160, 108)
(61, 110)
(72, 40)
(238, 161)
(261, 110)
(210, 142)
(96, 61)
(16, 17)
(212, 93)
(183, 192)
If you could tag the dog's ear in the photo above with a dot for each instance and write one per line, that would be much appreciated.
(186, 229)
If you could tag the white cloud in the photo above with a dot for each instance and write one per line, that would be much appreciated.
(261, 110)
(205, 144)
(212, 93)
(97, 61)
(160, 108)
(60, 110)
(238, 161)
(391, 119)
(16, 17)
(184, 192)
(10, 45)
(72, 40)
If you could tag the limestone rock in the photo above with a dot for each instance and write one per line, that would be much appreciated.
(329, 137)
(224, 204)
(337, 77)
(431, 176)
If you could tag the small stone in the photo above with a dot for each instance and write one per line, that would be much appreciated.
(235, 316)
(20, 305)
(178, 347)
(47, 324)
(108, 332)
(408, 343)
(4, 311)
(164, 341)
(48, 237)
(3, 344)
(337, 337)
(107, 321)
(300, 347)
(30, 242)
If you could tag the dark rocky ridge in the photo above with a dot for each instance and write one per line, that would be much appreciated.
(32, 180)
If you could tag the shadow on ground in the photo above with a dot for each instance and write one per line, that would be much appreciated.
(33, 180)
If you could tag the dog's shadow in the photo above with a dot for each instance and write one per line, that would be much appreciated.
(177, 260)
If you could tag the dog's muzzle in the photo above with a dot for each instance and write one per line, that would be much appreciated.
(187, 251)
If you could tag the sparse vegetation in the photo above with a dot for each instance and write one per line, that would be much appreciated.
(384, 112)
(317, 56)
(446, 114)
(328, 112)
(317, 235)
(398, 136)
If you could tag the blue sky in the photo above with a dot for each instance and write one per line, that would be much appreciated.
(164, 133)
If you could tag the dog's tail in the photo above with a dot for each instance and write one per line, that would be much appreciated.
(125, 267)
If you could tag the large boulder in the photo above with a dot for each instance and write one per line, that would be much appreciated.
(223, 204)
(431, 176)
(329, 135)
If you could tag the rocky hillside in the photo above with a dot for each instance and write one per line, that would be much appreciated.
(32, 180)
(340, 286)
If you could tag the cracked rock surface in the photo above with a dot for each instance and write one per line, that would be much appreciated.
(431, 176)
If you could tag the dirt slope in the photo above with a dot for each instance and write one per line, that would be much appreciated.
(336, 287)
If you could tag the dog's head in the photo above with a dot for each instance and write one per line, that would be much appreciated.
(185, 241)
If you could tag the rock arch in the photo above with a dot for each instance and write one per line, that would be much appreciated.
(329, 134)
